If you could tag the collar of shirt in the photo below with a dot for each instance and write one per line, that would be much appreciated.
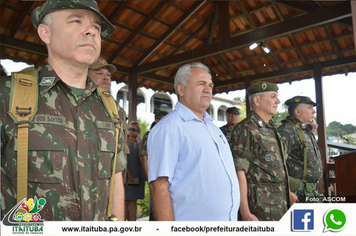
(300, 123)
(48, 72)
(186, 114)
(261, 123)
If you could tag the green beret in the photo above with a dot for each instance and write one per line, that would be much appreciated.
(262, 87)
(54, 5)
(300, 99)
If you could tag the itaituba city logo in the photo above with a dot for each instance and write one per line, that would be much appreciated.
(25, 217)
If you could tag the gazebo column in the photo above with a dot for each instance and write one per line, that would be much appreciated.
(247, 84)
(322, 143)
(133, 97)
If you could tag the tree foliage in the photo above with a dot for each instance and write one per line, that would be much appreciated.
(337, 129)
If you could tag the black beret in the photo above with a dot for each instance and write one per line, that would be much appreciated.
(233, 110)
(300, 99)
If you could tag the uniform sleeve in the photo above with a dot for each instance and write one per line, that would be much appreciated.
(143, 150)
(286, 134)
(163, 151)
(240, 148)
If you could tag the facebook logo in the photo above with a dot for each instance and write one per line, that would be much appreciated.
(303, 220)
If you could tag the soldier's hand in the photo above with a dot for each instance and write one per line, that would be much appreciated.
(249, 217)
(292, 198)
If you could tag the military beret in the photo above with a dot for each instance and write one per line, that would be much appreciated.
(300, 99)
(262, 87)
(233, 110)
(54, 5)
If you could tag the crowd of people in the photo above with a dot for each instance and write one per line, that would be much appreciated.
(89, 163)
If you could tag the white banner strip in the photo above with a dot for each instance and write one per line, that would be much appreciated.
(301, 219)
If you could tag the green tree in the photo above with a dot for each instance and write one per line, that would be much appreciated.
(335, 128)
(281, 115)
(243, 107)
(144, 126)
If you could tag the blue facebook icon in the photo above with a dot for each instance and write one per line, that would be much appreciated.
(303, 220)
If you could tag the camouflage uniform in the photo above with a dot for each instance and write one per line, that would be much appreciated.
(143, 149)
(257, 150)
(227, 131)
(70, 155)
(295, 161)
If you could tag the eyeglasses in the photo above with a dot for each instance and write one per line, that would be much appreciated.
(133, 129)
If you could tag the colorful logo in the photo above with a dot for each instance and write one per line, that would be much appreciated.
(25, 212)
(334, 220)
(303, 220)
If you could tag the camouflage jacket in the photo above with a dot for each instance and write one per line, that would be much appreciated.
(143, 148)
(295, 161)
(257, 150)
(70, 151)
(226, 130)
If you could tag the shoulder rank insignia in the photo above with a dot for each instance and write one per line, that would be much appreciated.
(47, 81)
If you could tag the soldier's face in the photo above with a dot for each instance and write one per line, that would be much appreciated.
(199, 91)
(269, 102)
(306, 113)
(74, 37)
(232, 118)
(102, 77)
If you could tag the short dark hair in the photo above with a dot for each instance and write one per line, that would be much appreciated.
(160, 113)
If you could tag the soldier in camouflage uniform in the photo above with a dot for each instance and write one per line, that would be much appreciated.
(233, 117)
(259, 158)
(301, 144)
(100, 72)
(72, 139)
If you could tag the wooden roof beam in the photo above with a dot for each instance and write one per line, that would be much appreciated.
(137, 30)
(196, 6)
(297, 5)
(321, 16)
(21, 45)
(22, 16)
(284, 72)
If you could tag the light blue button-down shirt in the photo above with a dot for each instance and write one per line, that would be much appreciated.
(196, 158)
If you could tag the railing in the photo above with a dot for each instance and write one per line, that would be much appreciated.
(330, 185)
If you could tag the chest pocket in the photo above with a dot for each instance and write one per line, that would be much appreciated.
(107, 142)
(45, 150)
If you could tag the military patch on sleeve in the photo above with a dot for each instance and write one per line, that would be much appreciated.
(47, 81)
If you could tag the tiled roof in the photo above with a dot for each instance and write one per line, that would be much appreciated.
(154, 37)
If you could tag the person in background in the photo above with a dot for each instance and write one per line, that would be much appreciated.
(190, 167)
(259, 157)
(143, 155)
(233, 117)
(72, 140)
(135, 188)
(304, 160)
(100, 73)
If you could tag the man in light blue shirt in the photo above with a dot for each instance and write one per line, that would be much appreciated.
(190, 167)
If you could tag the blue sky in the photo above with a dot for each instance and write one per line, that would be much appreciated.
(339, 93)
